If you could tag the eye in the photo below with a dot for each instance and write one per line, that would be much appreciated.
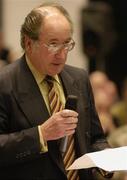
(53, 44)
(67, 42)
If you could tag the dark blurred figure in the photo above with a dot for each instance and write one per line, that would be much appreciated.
(5, 53)
(98, 33)
(115, 62)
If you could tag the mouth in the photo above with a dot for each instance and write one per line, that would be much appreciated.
(57, 64)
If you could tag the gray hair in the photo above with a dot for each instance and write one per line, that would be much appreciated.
(34, 20)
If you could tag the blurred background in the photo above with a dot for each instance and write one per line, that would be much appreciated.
(101, 49)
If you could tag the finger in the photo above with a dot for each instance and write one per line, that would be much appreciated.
(69, 132)
(68, 113)
(71, 120)
(71, 127)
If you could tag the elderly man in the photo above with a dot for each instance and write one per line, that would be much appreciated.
(33, 93)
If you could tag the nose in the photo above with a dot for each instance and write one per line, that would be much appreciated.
(61, 53)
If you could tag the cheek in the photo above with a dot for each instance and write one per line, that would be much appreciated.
(45, 59)
(66, 56)
(44, 54)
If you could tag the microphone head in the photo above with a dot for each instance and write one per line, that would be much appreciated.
(71, 102)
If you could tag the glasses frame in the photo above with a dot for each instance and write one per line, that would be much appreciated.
(54, 48)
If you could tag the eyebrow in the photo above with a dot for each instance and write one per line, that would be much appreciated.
(54, 39)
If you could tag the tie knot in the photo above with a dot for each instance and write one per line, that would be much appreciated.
(49, 80)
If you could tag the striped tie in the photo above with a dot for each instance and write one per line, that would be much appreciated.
(55, 106)
(69, 158)
(54, 100)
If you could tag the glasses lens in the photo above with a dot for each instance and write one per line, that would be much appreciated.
(54, 48)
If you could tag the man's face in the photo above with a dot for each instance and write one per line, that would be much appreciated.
(56, 30)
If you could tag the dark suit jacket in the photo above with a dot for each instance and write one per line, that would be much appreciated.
(22, 109)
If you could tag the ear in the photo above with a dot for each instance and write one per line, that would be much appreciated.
(28, 43)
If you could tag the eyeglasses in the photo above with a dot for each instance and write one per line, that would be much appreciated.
(54, 48)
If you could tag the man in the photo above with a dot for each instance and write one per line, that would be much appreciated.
(31, 132)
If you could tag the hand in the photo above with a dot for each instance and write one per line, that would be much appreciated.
(105, 174)
(60, 124)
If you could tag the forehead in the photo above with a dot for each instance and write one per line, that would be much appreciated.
(55, 23)
(56, 27)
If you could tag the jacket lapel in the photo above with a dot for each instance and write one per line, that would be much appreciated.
(71, 87)
(28, 96)
(69, 84)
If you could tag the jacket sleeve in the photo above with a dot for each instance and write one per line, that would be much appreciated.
(16, 146)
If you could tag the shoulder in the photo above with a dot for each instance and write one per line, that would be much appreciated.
(76, 72)
(78, 76)
(10, 69)
(8, 73)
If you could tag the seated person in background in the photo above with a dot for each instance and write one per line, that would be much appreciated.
(98, 80)
(103, 104)
(105, 93)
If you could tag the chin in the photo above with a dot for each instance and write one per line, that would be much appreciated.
(56, 71)
(53, 73)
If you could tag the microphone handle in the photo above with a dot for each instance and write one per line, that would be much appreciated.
(63, 144)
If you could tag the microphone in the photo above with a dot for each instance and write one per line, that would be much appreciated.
(71, 104)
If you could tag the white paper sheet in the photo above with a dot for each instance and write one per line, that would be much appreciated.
(114, 159)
